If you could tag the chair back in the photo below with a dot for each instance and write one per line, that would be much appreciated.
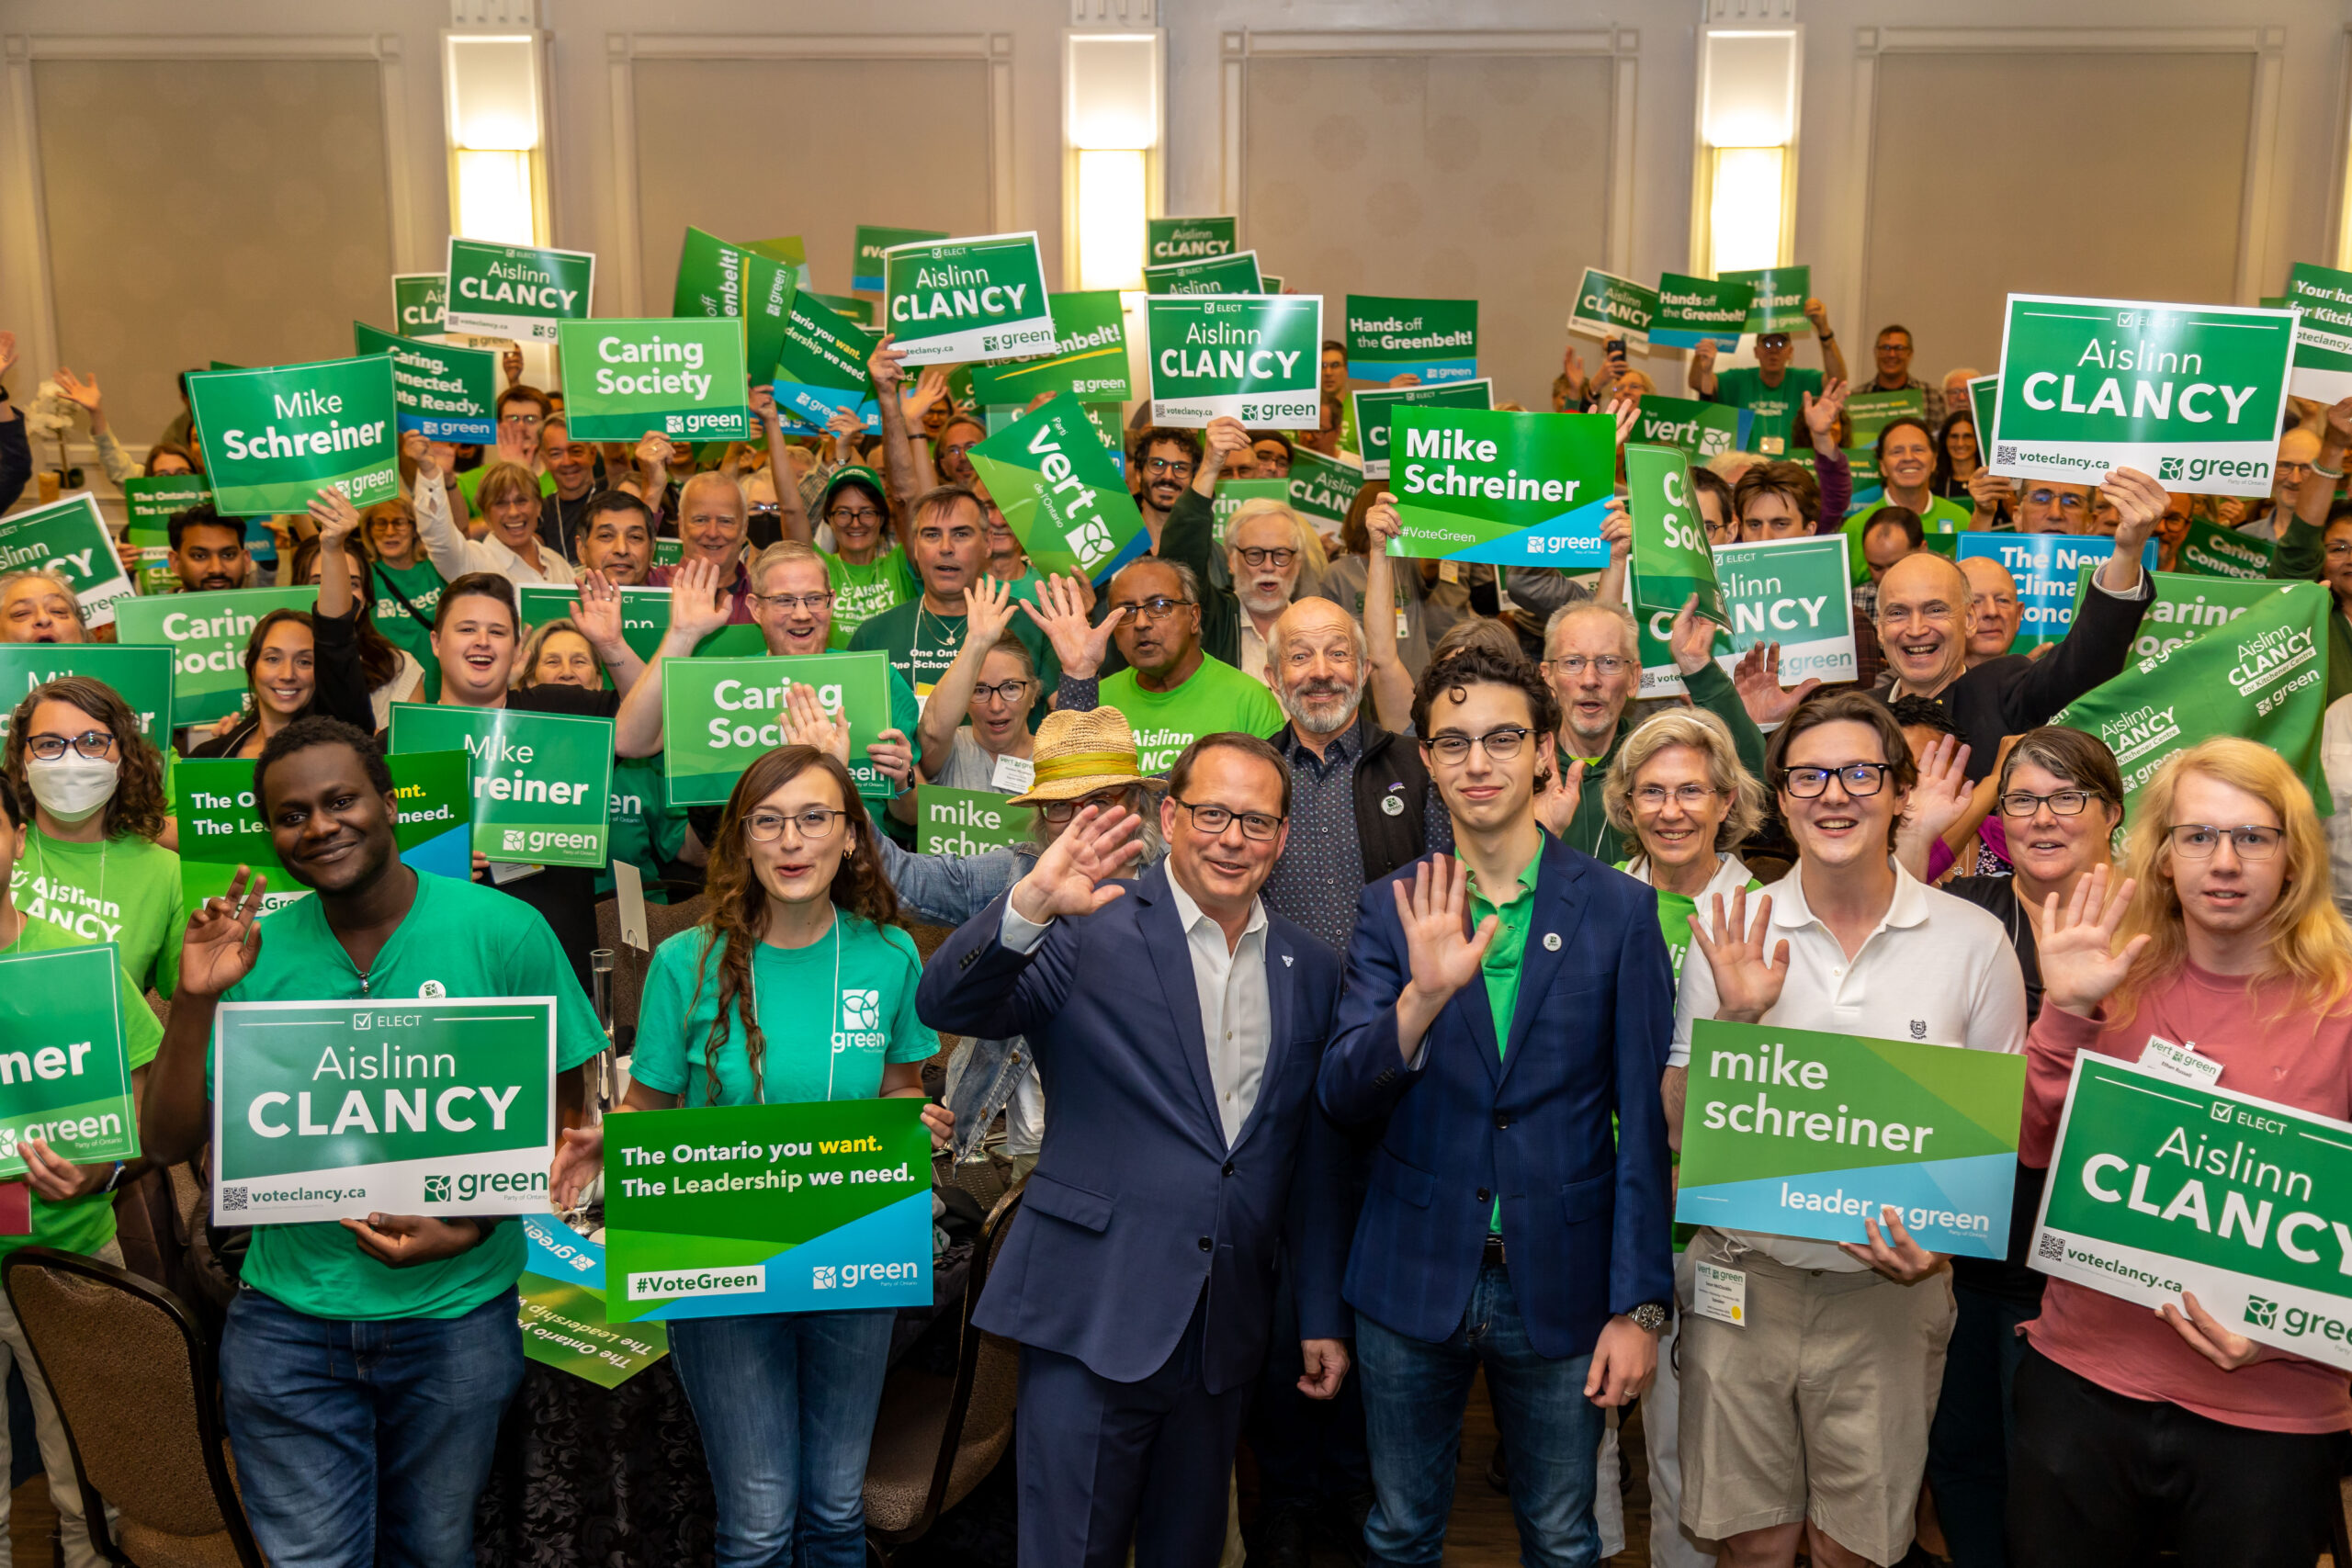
(136, 1388)
(663, 922)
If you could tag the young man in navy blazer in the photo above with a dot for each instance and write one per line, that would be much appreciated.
(1178, 1028)
(1502, 1007)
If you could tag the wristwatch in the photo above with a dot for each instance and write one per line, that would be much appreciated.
(1650, 1316)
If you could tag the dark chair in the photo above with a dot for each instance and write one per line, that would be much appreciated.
(136, 1388)
(935, 1439)
(663, 922)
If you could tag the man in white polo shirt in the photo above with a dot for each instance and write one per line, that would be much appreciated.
(1807, 1420)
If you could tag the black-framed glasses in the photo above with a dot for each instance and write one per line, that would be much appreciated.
(49, 746)
(1060, 811)
(765, 509)
(1005, 692)
(815, 822)
(1574, 664)
(1502, 744)
(2061, 802)
(1158, 609)
(1858, 779)
(1268, 555)
(2197, 841)
(839, 514)
(1210, 818)
(1174, 467)
(788, 601)
(1690, 797)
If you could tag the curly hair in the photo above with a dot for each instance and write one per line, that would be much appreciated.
(1475, 666)
(736, 920)
(136, 804)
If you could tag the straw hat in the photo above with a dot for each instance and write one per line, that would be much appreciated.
(1077, 753)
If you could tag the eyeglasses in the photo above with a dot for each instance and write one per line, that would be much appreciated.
(815, 822)
(1860, 778)
(2340, 547)
(1688, 796)
(766, 509)
(91, 744)
(1173, 468)
(1005, 692)
(1574, 664)
(1060, 811)
(1158, 609)
(1502, 744)
(789, 601)
(521, 419)
(2063, 803)
(839, 514)
(2051, 498)
(1256, 556)
(1214, 819)
(2197, 841)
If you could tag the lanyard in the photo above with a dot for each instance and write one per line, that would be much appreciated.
(833, 1057)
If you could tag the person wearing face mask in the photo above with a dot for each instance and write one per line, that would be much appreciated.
(37, 605)
(993, 683)
(508, 497)
(91, 864)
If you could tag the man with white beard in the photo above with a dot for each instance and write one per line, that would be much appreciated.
(1263, 556)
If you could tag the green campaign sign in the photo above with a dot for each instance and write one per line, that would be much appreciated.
(1507, 489)
(2211, 550)
(791, 251)
(517, 291)
(451, 394)
(967, 821)
(150, 503)
(678, 375)
(2159, 1186)
(220, 825)
(64, 1069)
(1230, 274)
(1792, 1132)
(541, 782)
(1608, 306)
(332, 1111)
(2187, 606)
(1322, 488)
(2189, 394)
(865, 271)
(563, 1309)
(1188, 239)
(1436, 340)
(1670, 558)
(1088, 361)
(2323, 364)
(1254, 357)
(69, 537)
(1376, 409)
(1874, 412)
(733, 1211)
(719, 715)
(645, 618)
(845, 305)
(1777, 302)
(1232, 494)
(418, 301)
(1692, 311)
(142, 677)
(1061, 494)
(963, 301)
(2264, 677)
(822, 366)
(274, 438)
(1700, 429)
(1791, 591)
(206, 634)
(719, 280)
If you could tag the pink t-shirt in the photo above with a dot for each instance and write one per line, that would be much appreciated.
(2268, 1048)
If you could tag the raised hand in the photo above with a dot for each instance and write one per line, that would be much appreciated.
(2079, 963)
(1225, 439)
(224, 938)
(1075, 875)
(336, 517)
(1625, 407)
(988, 610)
(579, 1158)
(1757, 679)
(1818, 314)
(1703, 358)
(7, 352)
(1821, 415)
(2139, 504)
(891, 752)
(1383, 523)
(1988, 492)
(1556, 796)
(1572, 366)
(1444, 954)
(73, 389)
(931, 387)
(842, 427)
(512, 363)
(419, 452)
(1748, 966)
(762, 398)
(654, 453)
(1060, 613)
(886, 365)
(696, 608)
(1942, 795)
(1617, 529)
(1691, 640)
(598, 611)
(2339, 423)
(804, 722)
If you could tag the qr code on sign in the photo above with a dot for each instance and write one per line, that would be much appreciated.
(2052, 1247)
(2006, 453)
(231, 1198)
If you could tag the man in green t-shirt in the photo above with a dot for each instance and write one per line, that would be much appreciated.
(72, 1206)
(949, 544)
(1770, 389)
(365, 1364)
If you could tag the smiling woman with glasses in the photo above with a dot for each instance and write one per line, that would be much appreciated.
(975, 730)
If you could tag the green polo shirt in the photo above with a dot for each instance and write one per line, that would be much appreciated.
(1503, 962)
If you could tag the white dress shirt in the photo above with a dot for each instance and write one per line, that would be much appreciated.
(453, 555)
(1237, 1010)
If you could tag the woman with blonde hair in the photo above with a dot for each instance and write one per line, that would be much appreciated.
(1677, 791)
(508, 498)
(2136, 1431)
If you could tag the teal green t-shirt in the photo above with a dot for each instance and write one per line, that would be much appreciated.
(420, 585)
(458, 939)
(1943, 517)
(832, 1014)
(1776, 409)
(124, 890)
(1215, 697)
(862, 593)
(645, 832)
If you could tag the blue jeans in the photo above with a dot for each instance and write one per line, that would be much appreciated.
(786, 1405)
(366, 1443)
(1414, 1393)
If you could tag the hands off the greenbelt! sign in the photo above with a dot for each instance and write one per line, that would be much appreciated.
(332, 1111)
(1436, 340)
(1061, 492)
(542, 781)
(517, 291)
(1254, 357)
(2188, 394)
(680, 376)
(68, 536)
(965, 301)
(1692, 311)
(274, 438)
(65, 1074)
(1507, 489)
(2159, 1186)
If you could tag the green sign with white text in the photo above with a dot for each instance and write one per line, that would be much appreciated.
(720, 280)
(2210, 551)
(1088, 361)
(1061, 492)
(1436, 340)
(821, 367)
(64, 1069)
(1670, 558)
(1692, 311)
(719, 715)
(220, 825)
(562, 1310)
(275, 438)
(148, 502)
(966, 301)
(1375, 408)
(206, 634)
(541, 782)
(872, 241)
(142, 677)
(681, 375)
(1506, 488)
(1700, 429)
(967, 821)
(1789, 592)
(1235, 272)
(1187, 239)
(418, 301)
(1254, 357)
(1872, 411)
(517, 291)
(2322, 367)
(1777, 302)
(1608, 306)
(645, 617)
(69, 537)
(1322, 488)
(451, 394)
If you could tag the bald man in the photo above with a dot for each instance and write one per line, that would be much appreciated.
(1926, 607)
(1994, 614)
(713, 522)
(2292, 472)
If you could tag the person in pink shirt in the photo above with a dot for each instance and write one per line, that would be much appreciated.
(2140, 1430)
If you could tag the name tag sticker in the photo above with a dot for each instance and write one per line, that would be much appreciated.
(2181, 1061)
(1014, 774)
(1720, 1294)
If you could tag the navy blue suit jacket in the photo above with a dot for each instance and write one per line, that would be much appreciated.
(1585, 1214)
(1136, 1203)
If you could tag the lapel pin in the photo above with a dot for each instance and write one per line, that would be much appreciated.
(1551, 941)
(1287, 960)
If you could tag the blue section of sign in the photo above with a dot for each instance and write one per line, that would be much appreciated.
(866, 282)
(1571, 539)
(558, 1252)
(1949, 1205)
(1675, 337)
(843, 1270)
(1432, 372)
(806, 408)
(2048, 568)
(449, 854)
(465, 432)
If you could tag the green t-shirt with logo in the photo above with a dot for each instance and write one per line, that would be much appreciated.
(1776, 409)
(123, 890)
(1023, 588)
(1217, 697)
(862, 593)
(83, 1224)
(421, 584)
(832, 1014)
(459, 939)
(645, 832)
(1674, 912)
(921, 644)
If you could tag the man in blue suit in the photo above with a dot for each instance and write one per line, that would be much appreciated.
(1501, 1008)
(1179, 1030)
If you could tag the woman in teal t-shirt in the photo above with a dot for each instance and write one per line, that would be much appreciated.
(798, 986)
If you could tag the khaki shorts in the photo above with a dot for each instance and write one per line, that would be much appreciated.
(1818, 1409)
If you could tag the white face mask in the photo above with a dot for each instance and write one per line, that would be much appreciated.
(73, 787)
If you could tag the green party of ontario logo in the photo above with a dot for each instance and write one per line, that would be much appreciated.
(2294, 1322)
(2190, 469)
(469, 1185)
